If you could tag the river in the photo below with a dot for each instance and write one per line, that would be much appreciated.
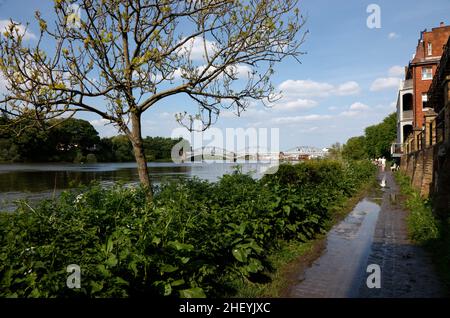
(38, 181)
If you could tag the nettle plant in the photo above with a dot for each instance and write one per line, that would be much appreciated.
(128, 55)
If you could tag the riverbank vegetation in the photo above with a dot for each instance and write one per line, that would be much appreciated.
(426, 229)
(194, 239)
(72, 140)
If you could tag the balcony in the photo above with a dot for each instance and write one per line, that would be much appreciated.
(396, 150)
(407, 115)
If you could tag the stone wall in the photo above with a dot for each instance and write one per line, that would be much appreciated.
(440, 190)
(429, 170)
(419, 167)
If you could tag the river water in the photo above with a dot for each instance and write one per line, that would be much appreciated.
(38, 181)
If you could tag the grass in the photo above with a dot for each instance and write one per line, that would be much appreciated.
(427, 230)
(294, 257)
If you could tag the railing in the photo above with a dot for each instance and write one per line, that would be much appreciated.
(397, 149)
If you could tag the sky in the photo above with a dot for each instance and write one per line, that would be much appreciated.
(347, 79)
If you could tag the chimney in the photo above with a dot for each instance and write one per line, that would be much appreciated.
(442, 24)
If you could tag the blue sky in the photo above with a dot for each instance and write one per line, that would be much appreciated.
(347, 80)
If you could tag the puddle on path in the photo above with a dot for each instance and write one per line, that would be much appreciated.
(339, 270)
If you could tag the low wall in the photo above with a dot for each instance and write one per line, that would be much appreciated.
(441, 180)
(429, 170)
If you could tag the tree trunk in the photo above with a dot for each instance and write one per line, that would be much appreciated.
(139, 154)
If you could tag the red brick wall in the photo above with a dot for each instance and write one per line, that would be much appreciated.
(438, 37)
(420, 86)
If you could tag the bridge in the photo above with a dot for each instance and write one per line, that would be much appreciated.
(251, 154)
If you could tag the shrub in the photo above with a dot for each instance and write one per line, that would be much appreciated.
(91, 158)
(191, 241)
(423, 226)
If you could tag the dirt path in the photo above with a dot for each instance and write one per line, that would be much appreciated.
(371, 234)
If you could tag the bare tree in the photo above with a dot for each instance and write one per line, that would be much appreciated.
(127, 55)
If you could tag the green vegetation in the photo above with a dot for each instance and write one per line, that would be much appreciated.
(426, 229)
(375, 143)
(194, 239)
(422, 224)
(71, 140)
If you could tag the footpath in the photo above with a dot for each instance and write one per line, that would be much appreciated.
(373, 235)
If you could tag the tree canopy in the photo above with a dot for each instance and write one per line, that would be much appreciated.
(375, 143)
(71, 140)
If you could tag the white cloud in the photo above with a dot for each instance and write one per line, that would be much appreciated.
(359, 106)
(296, 104)
(348, 88)
(385, 83)
(355, 109)
(350, 113)
(195, 48)
(99, 122)
(393, 35)
(28, 35)
(167, 115)
(240, 71)
(396, 71)
(309, 88)
(300, 119)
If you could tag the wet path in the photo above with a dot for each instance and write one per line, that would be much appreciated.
(406, 269)
(370, 234)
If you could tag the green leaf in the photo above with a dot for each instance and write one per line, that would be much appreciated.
(109, 245)
(156, 240)
(121, 281)
(96, 287)
(111, 261)
(103, 270)
(181, 246)
(166, 268)
(239, 254)
(167, 289)
(177, 282)
(196, 292)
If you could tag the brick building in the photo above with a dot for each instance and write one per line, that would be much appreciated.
(423, 67)
(412, 100)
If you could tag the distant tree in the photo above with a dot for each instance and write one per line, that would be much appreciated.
(122, 148)
(127, 52)
(75, 134)
(380, 137)
(355, 149)
(335, 151)
(159, 148)
(91, 158)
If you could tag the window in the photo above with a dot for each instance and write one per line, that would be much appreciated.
(430, 49)
(424, 100)
(427, 73)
